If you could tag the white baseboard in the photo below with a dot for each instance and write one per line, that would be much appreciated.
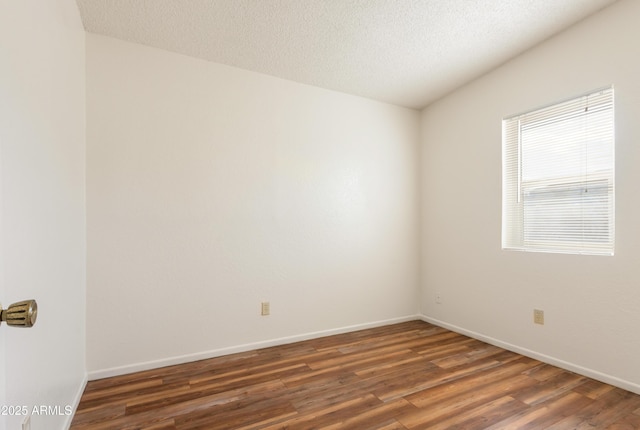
(594, 374)
(76, 401)
(154, 364)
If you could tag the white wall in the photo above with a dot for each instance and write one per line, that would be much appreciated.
(42, 146)
(3, 347)
(211, 189)
(591, 303)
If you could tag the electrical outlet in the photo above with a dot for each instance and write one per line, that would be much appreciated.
(266, 309)
(26, 424)
(538, 316)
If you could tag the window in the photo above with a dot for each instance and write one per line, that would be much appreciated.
(558, 177)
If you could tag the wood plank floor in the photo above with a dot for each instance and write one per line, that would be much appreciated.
(412, 375)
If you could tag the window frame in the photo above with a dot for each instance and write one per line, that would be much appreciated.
(595, 238)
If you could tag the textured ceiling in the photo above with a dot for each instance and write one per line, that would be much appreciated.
(405, 52)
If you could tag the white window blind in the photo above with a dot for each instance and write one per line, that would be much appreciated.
(558, 177)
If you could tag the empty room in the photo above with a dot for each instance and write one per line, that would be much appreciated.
(319, 214)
